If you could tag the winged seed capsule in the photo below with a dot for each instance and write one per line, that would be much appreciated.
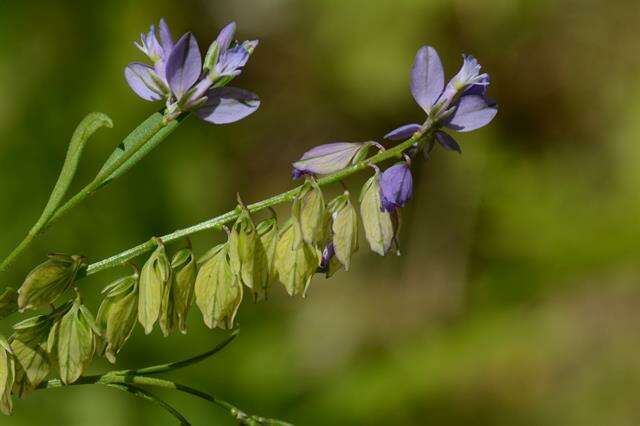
(344, 228)
(296, 260)
(378, 225)
(49, 280)
(72, 341)
(218, 290)
(155, 276)
(118, 314)
(8, 302)
(184, 269)
(29, 346)
(7, 376)
(308, 213)
(247, 255)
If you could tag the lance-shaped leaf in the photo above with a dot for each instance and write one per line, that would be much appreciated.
(296, 261)
(118, 314)
(152, 131)
(218, 290)
(308, 213)
(49, 280)
(345, 229)
(73, 341)
(87, 127)
(268, 232)
(8, 302)
(184, 269)
(155, 276)
(247, 256)
(7, 376)
(378, 226)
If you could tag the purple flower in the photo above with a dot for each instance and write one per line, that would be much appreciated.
(461, 105)
(328, 253)
(326, 159)
(178, 77)
(396, 187)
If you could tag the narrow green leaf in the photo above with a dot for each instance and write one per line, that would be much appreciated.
(153, 130)
(87, 127)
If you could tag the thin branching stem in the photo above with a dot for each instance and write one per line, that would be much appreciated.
(288, 196)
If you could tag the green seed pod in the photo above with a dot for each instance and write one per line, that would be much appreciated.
(155, 276)
(29, 346)
(268, 232)
(247, 255)
(218, 290)
(118, 314)
(344, 228)
(378, 226)
(308, 212)
(184, 269)
(8, 302)
(295, 262)
(7, 376)
(72, 341)
(49, 280)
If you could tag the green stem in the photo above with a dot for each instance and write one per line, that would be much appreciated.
(138, 138)
(111, 379)
(218, 221)
(141, 393)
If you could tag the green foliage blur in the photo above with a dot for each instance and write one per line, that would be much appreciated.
(515, 300)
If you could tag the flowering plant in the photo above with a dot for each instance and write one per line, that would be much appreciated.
(64, 336)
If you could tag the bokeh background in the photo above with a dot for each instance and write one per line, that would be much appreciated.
(516, 299)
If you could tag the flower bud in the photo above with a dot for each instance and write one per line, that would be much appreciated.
(49, 280)
(296, 261)
(308, 212)
(8, 302)
(329, 158)
(184, 269)
(247, 255)
(344, 228)
(218, 290)
(396, 187)
(72, 341)
(7, 376)
(378, 226)
(118, 314)
(155, 276)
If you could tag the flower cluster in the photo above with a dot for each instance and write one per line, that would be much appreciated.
(461, 105)
(186, 83)
(319, 237)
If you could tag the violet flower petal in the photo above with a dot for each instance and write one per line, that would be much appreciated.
(403, 132)
(396, 187)
(227, 105)
(166, 39)
(139, 77)
(447, 142)
(472, 113)
(225, 37)
(427, 78)
(184, 65)
(326, 159)
(480, 88)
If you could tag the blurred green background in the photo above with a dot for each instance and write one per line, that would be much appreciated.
(516, 299)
